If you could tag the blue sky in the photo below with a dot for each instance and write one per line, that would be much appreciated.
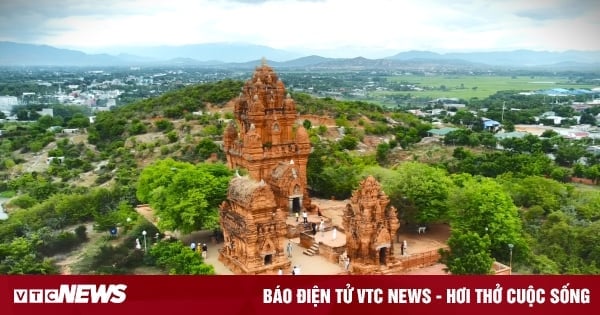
(335, 28)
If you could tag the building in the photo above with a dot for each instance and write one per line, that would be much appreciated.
(594, 149)
(263, 140)
(512, 134)
(7, 102)
(46, 112)
(441, 132)
(370, 226)
(490, 125)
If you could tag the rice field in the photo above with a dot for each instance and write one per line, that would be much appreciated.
(480, 86)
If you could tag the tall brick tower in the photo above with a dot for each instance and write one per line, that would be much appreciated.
(264, 140)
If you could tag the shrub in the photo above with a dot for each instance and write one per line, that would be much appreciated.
(60, 243)
(164, 125)
(24, 201)
(172, 135)
(81, 233)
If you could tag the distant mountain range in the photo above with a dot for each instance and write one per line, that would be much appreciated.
(510, 58)
(248, 56)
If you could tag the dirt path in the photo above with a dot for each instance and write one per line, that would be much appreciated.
(66, 261)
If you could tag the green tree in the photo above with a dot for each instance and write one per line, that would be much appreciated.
(340, 180)
(469, 254)
(206, 147)
(465, 118)
(19, 257)
(185, 197)
(172, 136)
(383, 149)
(178, 259)
(137, 127)
(164, 125)
(348, 142)
(107, 128)
(307, 124)
(549, 133)
(569, 152)
(420, 192)
(587, 118)
(535, 190)
(480, 205)
(79, 120)
(45, 121)
(558, 240)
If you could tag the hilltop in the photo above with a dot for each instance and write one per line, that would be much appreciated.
(94, 178)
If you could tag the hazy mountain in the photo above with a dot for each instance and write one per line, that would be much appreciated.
(189, 62)
(416, 54)
(248, 56)
(15, 54)
(507, 58)
(305, 61)
(224, 52)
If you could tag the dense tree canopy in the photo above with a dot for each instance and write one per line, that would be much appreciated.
(19, 257)
(178, 259)
(331, 172)
(480, 205)
(185, 196)
(419, 191)
(469, 254)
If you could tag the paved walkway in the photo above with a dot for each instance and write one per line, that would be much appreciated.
(435, 237)
(315, 265)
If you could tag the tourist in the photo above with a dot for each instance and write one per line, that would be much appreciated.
(193, 246)
(280, 272)
(289, 249)
(404, 247)
(297, 216)
(199, 248)
(204, 251)
(305, 216)
(334, 234)
(347, 263)
(322, 228)
(314, 229)
(138, 246)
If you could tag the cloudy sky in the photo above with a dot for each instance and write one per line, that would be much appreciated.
(334, 28)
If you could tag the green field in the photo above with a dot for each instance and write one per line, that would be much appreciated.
(480, 86)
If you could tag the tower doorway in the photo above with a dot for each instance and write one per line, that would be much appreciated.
(296, 204)
(268, 259)
(382, 256)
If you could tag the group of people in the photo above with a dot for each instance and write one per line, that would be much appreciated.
(304, 216)
(295, 271)
(202, 249)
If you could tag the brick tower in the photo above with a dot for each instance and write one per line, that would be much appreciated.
(370, 227)
(264, 140)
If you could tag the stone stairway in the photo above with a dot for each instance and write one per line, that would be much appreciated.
(313, 250)
(383, 270)
(391, 268)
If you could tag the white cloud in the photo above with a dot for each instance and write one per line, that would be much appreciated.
(310, 26)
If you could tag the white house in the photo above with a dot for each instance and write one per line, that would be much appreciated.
(59, 159)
